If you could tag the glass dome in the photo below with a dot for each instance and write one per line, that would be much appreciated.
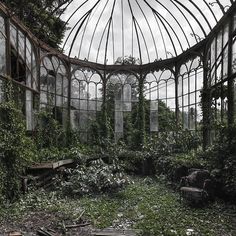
(106, 31)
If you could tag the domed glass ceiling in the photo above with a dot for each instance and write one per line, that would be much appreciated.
(104, 31)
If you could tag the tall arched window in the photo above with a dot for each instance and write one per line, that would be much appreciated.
(190, 83)
(54, 87)
(86, 99)
(159, 91)
(122, 97)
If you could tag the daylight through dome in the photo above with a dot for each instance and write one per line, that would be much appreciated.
(103, 31)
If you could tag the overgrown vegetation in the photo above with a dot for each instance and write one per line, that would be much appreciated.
(101, 182)
(220, 159)
(42, 17)
(96, 178)
(147, 205)
(16, 150)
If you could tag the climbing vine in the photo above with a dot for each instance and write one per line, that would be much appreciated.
(16, 149)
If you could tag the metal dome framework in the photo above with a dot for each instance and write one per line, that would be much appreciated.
(102, 31)
(196, 87)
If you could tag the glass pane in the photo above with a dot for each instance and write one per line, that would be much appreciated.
(192, 82)
(51, 99)
(192, 98)
(43, 97)
(185, 118)
(234, 56)
(153, 121)
(74, 103)
(59, 101)
(171, 89)
(35, 82)
(118, 105)
(28, 78)
(51, 83)
(119, 121)
(65, 102)
(83, 104)
(199, 79)
(92, 105)
(83, 90)
(162, 89)
(2, 47)
(74, 119)
(99, 91)
(92, 91)
(234, 23)
(99, 106)
(13, 35)
(75, 85)
(213, 60)
(28, 53)
(83, 120)
(185, 85)
(180, 101)
(21, 41)
(127, 98)
(192, 117)
(59, 89)
(171, 103)
(29, 110)
(185, 100)
(199, 113)
(180, 86)
(153, 105)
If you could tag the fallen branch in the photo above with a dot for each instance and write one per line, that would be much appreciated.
(43, 232)
(80, 216)
(76, 226)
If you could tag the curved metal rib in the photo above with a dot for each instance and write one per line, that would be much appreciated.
(109, 27)
(195, 18)
(212, 12)
(149, 26)
(175, 21)
(95, 29)
(200, 11)
(82, 39)
(136, 31)
(160, 17)
(100, 43)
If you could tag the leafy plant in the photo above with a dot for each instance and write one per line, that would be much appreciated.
(220, 159)
(96, 178)
(16, 149)
(42, 17)
(49, 133)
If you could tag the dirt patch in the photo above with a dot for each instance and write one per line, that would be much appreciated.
(30, 223)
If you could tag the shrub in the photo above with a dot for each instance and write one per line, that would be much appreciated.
(49, 132)
(177, 165)
(220, 159)
(96, 178)
(16, 149)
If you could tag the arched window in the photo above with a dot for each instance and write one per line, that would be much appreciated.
(54, 87)
(86, 99)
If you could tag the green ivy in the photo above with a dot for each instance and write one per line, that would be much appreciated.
(49, 132)
(16, 149)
